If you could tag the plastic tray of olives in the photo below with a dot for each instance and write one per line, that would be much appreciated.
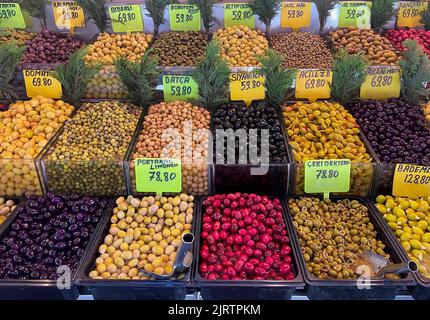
(233, 177)
(117, 289)
(422, 290)
(11, 289)
(340, 289)
(245, 289)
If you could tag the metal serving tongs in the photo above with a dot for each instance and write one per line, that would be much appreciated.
(183, 260)
(380, 266)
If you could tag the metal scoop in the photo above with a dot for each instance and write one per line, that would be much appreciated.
(183, 260)
(380, 266)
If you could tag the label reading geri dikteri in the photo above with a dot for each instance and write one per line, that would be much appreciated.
(184, 17)
(238, 14)
(68, 14)
(295, 15)
(126, 18)
(159, 175)
(11, 16)
(247, 87)
(182, 88)
(313, 84)
(326, 176)
(409, 13)
(411, 181)
(381, 83)
(41, 83)
(355, 14)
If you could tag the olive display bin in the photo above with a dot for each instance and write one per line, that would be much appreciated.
(15, 289)
(115, 289)
(421, 291)
(273, 179)
(334, 289)
(245, 289)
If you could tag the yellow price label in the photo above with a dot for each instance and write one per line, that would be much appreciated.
(11, 16)
(247, 87)
(313, 84)
(295, 15)
(238, 14)
(68, 14)
(381, 83)
(409, 13)
(41, 83)
(411, 181)
(355, 14)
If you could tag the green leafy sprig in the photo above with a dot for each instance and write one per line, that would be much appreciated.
(10, 56)
(324, 7)
(382, 11)
(266, 10)
(156, 12)
(205, 7)
(96, 10)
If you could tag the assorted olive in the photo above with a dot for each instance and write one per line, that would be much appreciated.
(6, 208)
(144, 235)
(410, 221)
(15, 36)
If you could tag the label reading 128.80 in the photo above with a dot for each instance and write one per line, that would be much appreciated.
(326, 176)
(411, 181)
(159, 175)
(182, 88)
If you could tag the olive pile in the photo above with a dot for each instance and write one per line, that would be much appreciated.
(86, 158)
(333, 234)
(144, 234)
(106, 84)
(325, 130)
(6, 207)
(410, 221)
(258, 116)
(175, 48)
(15, 36)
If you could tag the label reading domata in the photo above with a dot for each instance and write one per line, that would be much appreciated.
(355, 14)
(247, 87)
(295, 15)
(411, 181)
(326, 176)
(184, 17)
(381, 83)
(127, 18)
(159, 175)
(238, 14)
(68, 14)
(182, 88)
(313, 84)
(11, 16)
(41, 83)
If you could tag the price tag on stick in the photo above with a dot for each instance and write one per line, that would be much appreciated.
(246, 86)
(313, 84)
(409, 13)
(68, 14)
(411, 181)
(40, 82)
(158, 175)
(127, 18)
(184, 17)
(238, 14)
(295, 15)
(325, 176)
(11, 16)
(381, 83)
(355, 14)
(182, 88)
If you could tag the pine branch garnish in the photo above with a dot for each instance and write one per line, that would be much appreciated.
(139, 78)
(10, 56)
(382, 11)
(96, 10)
(425, 18)
(349, 73)
(74, 76)
(212, 76)
(36, 8)
(324, 7)
(266, 10)
(156, 12)
(415, 67)
(205, 7)
(278, 80)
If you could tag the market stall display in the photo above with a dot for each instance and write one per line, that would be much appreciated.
(18, 36)
(397, 36)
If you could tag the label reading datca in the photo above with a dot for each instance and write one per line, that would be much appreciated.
(68, 14)
(355, 14)
(381, 83)
(11, 16)
(326, 176)
(184, 17)
(313, 84)
(159, 175)
(238, 14)
(247, 87)
(411, 181)
(41, 83)
(182, 88)
(127, 18)
(295, 15)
